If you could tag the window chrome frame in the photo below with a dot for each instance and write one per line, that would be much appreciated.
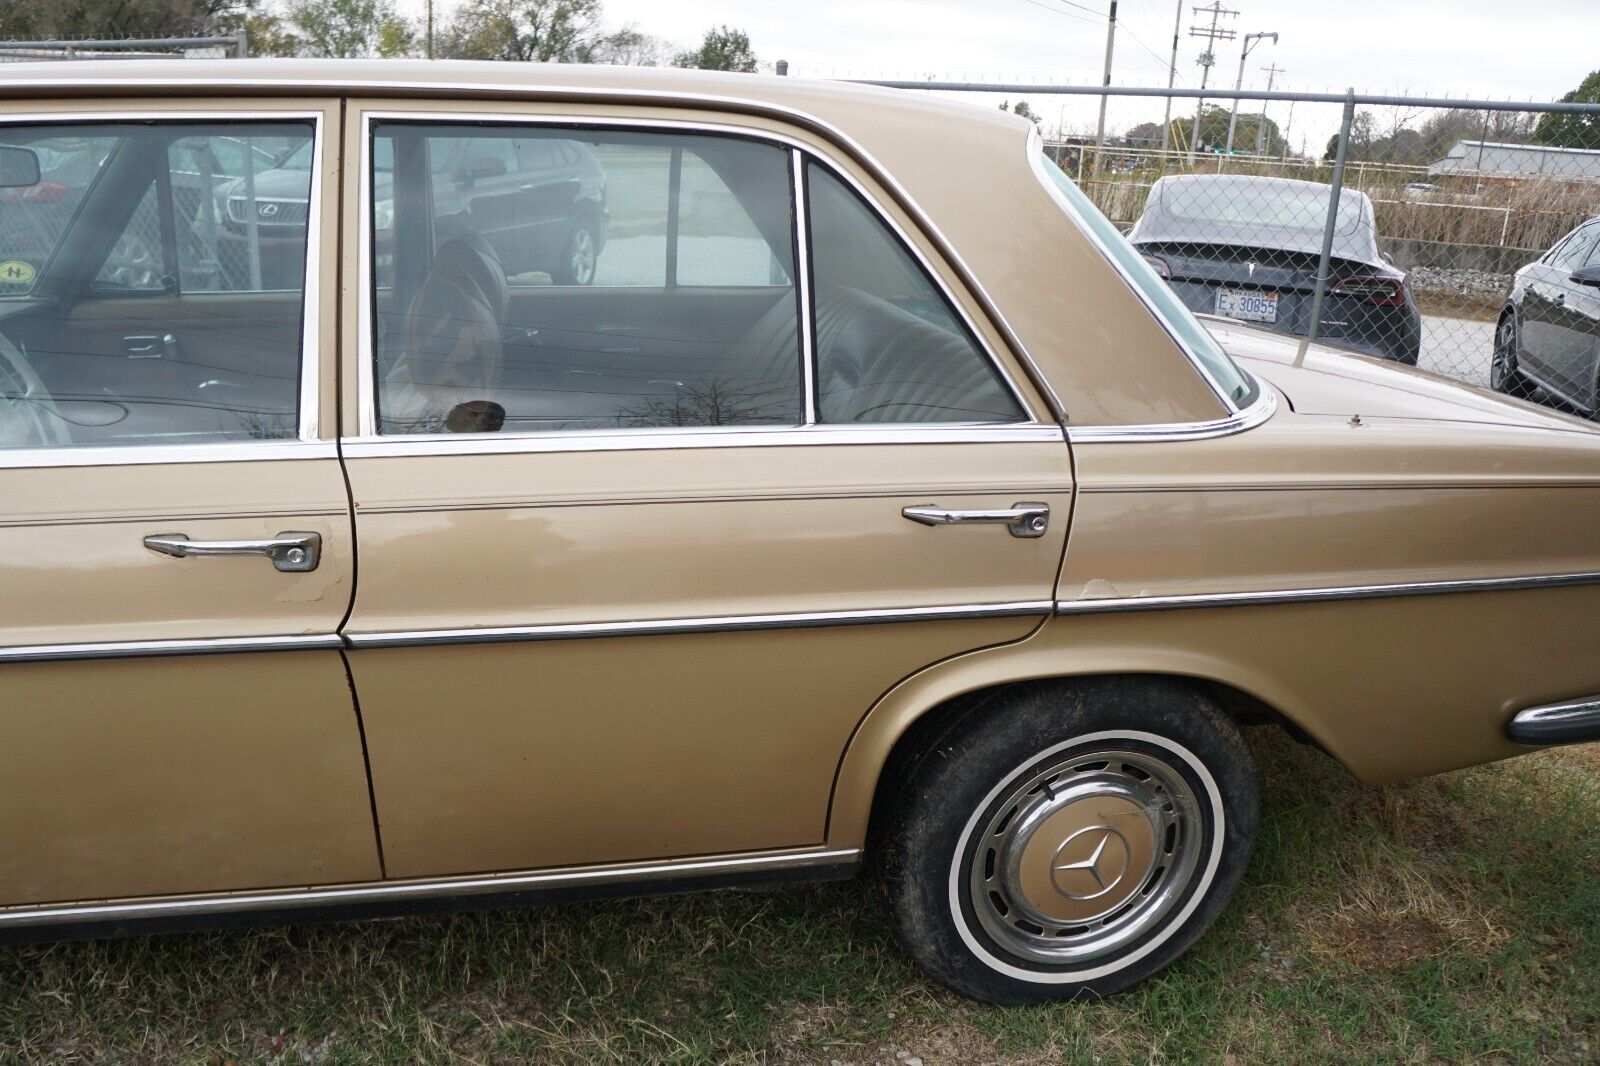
(369, 443)
(307, 444)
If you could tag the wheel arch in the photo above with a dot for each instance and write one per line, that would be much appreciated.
(908, 721)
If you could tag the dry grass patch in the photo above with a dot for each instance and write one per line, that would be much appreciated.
(1392, 914)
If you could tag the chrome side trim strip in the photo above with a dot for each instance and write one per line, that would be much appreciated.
(164, 454)
(366, 382)
(490, 884)
(609, 440)
(677, 626)
(134, 649)
(1261, 409)
(1112, 605)
(802, 284)
(1572, 722)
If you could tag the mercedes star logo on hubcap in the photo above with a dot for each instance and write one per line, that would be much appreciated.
(1090, 863)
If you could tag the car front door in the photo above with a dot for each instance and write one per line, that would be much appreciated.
(1545, 337)
(175, 550)
(1576, 322)
(693, 524)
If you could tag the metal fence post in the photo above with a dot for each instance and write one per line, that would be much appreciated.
(1321, 288)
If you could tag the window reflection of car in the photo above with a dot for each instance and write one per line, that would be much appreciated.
(540, 202)
(1247, 248)
(1548, 335)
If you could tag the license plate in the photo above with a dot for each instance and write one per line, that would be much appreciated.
(1247, 306)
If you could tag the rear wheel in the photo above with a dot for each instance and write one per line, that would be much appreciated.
(1504, 375)
(1070, 839)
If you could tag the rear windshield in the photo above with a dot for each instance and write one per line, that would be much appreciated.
(1256, 204)
(1230, 381)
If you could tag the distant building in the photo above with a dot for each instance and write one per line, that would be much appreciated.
(1486, 158)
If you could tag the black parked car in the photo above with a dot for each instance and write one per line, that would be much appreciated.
(1247, 248)
(1548, 335)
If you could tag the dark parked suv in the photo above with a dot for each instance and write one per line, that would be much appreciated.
(539, 201)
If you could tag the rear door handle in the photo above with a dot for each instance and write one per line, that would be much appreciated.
(293, 553)
(1023, 519)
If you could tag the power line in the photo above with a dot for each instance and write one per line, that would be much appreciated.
(1057, 11)
(1122, 26)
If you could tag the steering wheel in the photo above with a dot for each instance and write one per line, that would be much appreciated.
(25, 404)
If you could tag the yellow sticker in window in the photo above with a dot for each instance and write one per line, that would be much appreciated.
(16, 272)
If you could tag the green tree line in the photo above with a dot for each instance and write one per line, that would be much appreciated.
(550, 31)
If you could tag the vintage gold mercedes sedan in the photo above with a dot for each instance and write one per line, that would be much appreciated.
(428, 485)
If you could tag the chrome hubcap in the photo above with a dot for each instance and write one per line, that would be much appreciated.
(1085, 856)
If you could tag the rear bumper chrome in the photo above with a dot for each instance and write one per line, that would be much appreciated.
(1558, 723)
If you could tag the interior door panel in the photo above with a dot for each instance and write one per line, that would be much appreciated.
(139, 368)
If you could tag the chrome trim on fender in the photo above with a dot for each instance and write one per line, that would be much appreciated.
(1262, 408)
(678, 626)
(138, 649)
(1572, 722)
(366, 378)
(486, 885)
(1118, 604)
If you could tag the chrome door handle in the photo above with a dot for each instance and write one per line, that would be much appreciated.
(1023, 519)
(293, 553)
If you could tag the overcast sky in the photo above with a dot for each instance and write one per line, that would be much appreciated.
(1513, 49)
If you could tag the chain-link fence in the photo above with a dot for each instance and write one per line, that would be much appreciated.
(1459, 236)
(234, 46)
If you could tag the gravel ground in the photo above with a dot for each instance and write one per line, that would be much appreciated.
(1458, 347)
(1459, 282)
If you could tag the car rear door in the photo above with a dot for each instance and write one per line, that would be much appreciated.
(643, 618)
(175, 715)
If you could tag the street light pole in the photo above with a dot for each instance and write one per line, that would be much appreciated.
(1250, 41)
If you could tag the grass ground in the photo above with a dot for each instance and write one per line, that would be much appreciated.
(1445, 920)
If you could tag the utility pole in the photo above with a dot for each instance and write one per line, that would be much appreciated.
(430, 29)
(1172, 76)
(1100, 129)
(1244, 53)
(1261, 127)
(1212, 34)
